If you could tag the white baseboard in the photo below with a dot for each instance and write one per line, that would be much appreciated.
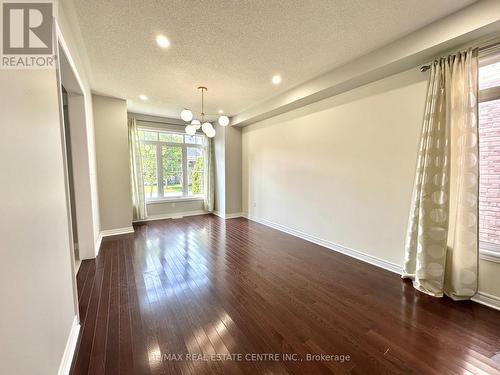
(69, 350)
(117, 231)
(109, 232)
(235, 215)
(172, 215)
(393, 267)
(219, 214)
(487, 300)
(228, 216)
(491, 256)
(98, 244)
(481, 297)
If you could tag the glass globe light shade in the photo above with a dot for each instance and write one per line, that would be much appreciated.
(211, 133)
(196, 124)
(190, 130)
(223, 121)
(187, 115)
(206, 126)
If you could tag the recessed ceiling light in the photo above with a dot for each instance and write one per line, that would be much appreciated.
(220, 111)
(276, 80)
(143, 97)
(162, 41)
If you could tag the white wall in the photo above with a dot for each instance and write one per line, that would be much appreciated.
(219, 144)
(165, 209)
(341, 169)
(489, 278)
(82, 179)
(227, 143)
(113, 162)
(232, 156)
(36, 282)
(36, 279)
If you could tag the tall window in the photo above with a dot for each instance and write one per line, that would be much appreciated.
(489, 154)
(173, 164)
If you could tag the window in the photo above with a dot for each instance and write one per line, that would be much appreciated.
(173, 164)
(489, 155)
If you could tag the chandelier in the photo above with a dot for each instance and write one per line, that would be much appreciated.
(195, 124)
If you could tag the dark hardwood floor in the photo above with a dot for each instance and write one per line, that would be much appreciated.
(227, 292)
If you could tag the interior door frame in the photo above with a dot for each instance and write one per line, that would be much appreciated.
(68, 77)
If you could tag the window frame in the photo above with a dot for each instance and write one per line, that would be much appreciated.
(488, 251)
(159, 164)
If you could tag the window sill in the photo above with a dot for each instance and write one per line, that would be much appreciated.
(174, 199)
(491, 256)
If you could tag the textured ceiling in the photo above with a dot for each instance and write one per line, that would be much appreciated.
(234, 47)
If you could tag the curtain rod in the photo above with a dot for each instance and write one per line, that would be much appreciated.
(158, 122)
(154, 119)
(489, 43)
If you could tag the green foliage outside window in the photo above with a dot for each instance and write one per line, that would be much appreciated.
(197, 177)
(148, 155)
(172, 165)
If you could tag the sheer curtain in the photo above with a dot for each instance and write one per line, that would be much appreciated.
(136, 178)
(441, 252)
(209, 177)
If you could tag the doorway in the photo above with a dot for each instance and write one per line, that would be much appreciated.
(77, 151)
(70, 177)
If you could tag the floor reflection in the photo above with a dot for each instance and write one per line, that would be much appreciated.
(205, 285)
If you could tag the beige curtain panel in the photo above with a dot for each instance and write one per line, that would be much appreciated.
(138, 198)
(441, 252)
